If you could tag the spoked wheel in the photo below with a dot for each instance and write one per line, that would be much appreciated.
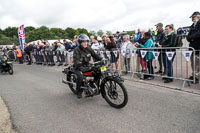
(115, 93)
(72, 78)
(10, 71)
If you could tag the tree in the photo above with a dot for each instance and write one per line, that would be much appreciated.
(1, 31)
(70, 32)
(10, 31)
(92, 33)
(108, 33)
(81, 31)
(130, 32)
(58, 32)
(41, 33)
(8, 40)
(100, 33)
(29, 28)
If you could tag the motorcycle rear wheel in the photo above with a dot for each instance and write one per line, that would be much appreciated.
(72, 78)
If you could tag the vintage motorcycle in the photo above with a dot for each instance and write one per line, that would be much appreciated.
(5, 64)
(99, 80)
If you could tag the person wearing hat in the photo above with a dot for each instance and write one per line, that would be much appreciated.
(158, 42)
(81, 57)
(194, 39)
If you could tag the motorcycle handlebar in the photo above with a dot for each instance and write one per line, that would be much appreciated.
(99, 62)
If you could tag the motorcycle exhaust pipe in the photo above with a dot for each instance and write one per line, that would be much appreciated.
(67, 82)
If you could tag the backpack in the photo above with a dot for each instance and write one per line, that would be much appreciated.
(178, 40)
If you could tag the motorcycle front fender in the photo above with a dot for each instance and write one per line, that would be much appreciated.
(113, 77)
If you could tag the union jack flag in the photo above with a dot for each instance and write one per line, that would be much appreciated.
(21, 34)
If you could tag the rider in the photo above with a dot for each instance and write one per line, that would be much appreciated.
(81, 57)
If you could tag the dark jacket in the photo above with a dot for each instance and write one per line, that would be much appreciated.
(194, 36)
(111, 46)
(160, 37)
(82, 56)
(67, 46)
(169, 41)
(28, 49)
(142, 41)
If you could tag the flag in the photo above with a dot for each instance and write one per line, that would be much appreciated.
(156, 55)
(21, 35)
(170, 55)
(143, 53)
(133, 52)
(187, 55)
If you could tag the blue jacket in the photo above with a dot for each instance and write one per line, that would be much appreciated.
(139, 34)
(67, 46)
(149, 44)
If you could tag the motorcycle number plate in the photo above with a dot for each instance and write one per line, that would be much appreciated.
(9, 62)
(103, 68)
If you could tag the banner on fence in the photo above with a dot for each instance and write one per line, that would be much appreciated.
(156, 55)
(170, 55)
(187, 55)
(143, 53)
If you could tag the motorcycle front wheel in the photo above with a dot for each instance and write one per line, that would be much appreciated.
(115, 93)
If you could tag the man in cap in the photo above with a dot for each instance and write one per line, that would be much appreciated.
(159, 40)
(194, 39)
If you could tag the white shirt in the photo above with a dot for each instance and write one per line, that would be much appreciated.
(127, 46)
(97, 46)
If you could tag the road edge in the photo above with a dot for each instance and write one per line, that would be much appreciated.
(5, 121)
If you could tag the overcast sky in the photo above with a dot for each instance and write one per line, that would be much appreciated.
(114, 15)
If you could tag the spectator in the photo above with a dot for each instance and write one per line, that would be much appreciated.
(119, 39)
(91, 40)
(97, 45)
(104, 40)
(142, 61)
(60, 51)
(194, 39)
(28, 49)
(149, 56)
(158, 41)
(67, 46)
(139, 34)
(19, 55)
(110, 46)
(168, 42)
(76, 41)
(126, 46)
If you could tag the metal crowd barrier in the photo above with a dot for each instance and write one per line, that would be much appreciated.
(181, 57)
(131, 61)
(51, 57)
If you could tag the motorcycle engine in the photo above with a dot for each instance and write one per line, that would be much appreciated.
(92, 87)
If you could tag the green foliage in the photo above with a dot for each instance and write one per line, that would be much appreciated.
(100, 33)
(92, 33)
(10, 31)
(10, 34)
(130, 32)
(108, 33)
(8, 40)
(70, 33)
(29, 28)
